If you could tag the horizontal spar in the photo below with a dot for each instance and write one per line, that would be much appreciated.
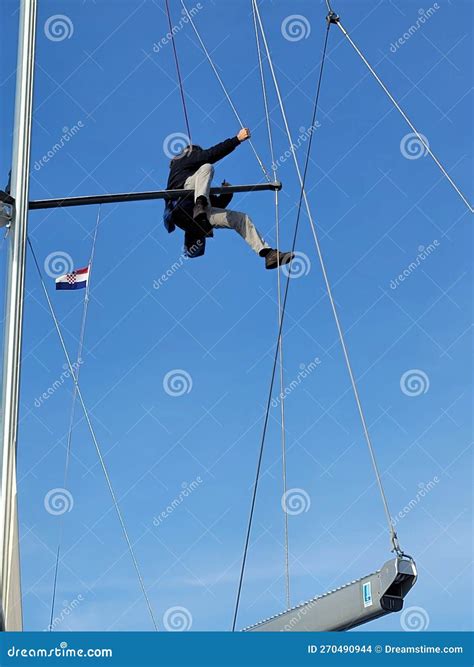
(349, 606)
(145, 196)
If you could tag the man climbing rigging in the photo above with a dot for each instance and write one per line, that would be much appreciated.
(200, 214)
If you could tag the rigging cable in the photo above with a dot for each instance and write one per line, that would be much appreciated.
(285, 299)
(178, 72)
(420, 137)
(94, 437)
(73, 412)
(279, 291)
(393, 535)
(229, 99)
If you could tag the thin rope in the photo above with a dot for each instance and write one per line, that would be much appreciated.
(229, 99)
(394, 539)
(279, 292)
(421, 138)
(178, 72)
(93, 435)
(275, 359)
(282, 410)
(73, 412)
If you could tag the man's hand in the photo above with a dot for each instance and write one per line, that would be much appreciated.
(244, 134)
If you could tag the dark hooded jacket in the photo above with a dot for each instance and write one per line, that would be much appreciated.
(179, 212)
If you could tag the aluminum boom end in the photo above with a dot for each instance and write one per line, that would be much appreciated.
(351, 605)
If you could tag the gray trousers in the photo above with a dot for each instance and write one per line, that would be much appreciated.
(221, 218)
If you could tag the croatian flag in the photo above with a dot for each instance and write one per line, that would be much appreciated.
(75, 280)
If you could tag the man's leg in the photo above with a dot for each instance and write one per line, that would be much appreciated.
(201, 181)
(223, 219)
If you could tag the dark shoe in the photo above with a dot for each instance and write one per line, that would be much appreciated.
(199, 211)
(274, 259)
(200, 217)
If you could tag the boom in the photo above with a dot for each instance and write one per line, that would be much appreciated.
(351, 605)
(145, 196)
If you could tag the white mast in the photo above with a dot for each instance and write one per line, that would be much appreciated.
(10, 589)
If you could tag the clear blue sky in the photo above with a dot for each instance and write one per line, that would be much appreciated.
(216, 317)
